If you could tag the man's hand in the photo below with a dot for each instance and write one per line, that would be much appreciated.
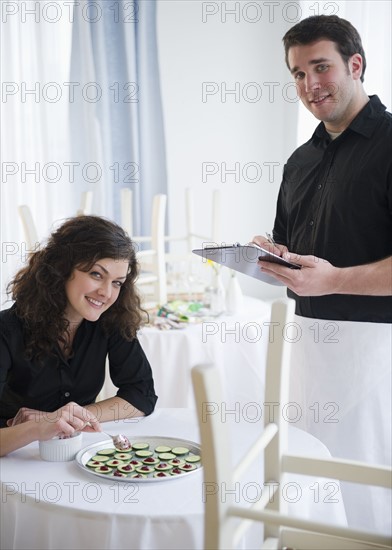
(317, 277)
(277, 249)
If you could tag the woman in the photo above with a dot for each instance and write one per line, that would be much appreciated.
(75, 304)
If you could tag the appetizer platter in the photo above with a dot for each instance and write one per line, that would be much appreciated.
(150, 458)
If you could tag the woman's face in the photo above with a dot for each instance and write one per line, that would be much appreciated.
(91, 293)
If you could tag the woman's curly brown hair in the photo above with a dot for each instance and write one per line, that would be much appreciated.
(39, 288)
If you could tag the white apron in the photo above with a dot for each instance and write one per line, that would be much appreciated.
(341, 381)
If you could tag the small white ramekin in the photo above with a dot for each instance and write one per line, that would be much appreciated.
(60, 450)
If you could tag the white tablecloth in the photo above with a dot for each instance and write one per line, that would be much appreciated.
(341, 381)
(49, 505)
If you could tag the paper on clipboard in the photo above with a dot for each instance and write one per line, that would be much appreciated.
(244, 258)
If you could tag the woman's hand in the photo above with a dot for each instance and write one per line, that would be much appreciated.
(31, 425)
(24, 415)
(66, 420)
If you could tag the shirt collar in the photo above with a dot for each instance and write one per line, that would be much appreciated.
(364, 123)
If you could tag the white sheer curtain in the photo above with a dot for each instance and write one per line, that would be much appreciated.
(35, 53)
(80, 111)
(117, 127)
(372, 19)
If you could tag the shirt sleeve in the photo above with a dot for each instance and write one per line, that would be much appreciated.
(5, 363)
(5, 355)
(131, 373)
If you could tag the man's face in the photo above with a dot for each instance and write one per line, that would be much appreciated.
(327, 86)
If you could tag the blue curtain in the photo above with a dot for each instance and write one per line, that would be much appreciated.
(116, 116)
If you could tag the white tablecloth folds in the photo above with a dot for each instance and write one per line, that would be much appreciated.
(57, 505)
(341, 383)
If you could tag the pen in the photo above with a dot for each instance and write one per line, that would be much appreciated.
(271, 239)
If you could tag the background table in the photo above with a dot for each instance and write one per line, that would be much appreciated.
(237, 344)
(57, 505)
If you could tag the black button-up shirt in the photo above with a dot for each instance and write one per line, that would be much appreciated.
(335, 202)
(56, 381)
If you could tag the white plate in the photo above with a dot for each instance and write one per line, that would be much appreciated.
(87, 453)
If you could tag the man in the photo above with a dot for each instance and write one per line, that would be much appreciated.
(335, 201)
(334, 217)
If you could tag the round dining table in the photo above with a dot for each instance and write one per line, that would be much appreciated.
(61, 505)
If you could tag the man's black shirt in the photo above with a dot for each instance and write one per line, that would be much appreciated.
(335, 202)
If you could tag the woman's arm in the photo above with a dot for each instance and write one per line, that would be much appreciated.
(112, 409)
(30, 425)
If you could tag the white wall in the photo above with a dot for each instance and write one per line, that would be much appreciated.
(229, 52)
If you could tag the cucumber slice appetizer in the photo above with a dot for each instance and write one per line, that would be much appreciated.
(177, 462)
(126, 468)
(93, 463)
(161, 474)
(119, 474)
(150, 461)
(140, 446)
(146, 461)
(100, 458)
(162, 466)
(126, 457)
(187, 467)
(143, 454)
(144, 469)
(103, 469)
(162, 449)
(193, 458)
(106, 452)
(166, 456)
(180, 451)
(115, 463)
(176, 471)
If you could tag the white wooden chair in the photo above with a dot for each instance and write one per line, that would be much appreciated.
(152, 279)
(29, 228)
(192, 238)
(126, 197)
(86, 204)
(222, 530)
(186, 274)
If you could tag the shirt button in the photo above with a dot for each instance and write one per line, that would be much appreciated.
(311, 222)
(319, 186)
(67, 394)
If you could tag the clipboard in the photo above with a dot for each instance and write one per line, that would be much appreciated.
(244, 258)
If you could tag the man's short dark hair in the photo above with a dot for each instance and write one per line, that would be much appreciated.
(326, 27)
